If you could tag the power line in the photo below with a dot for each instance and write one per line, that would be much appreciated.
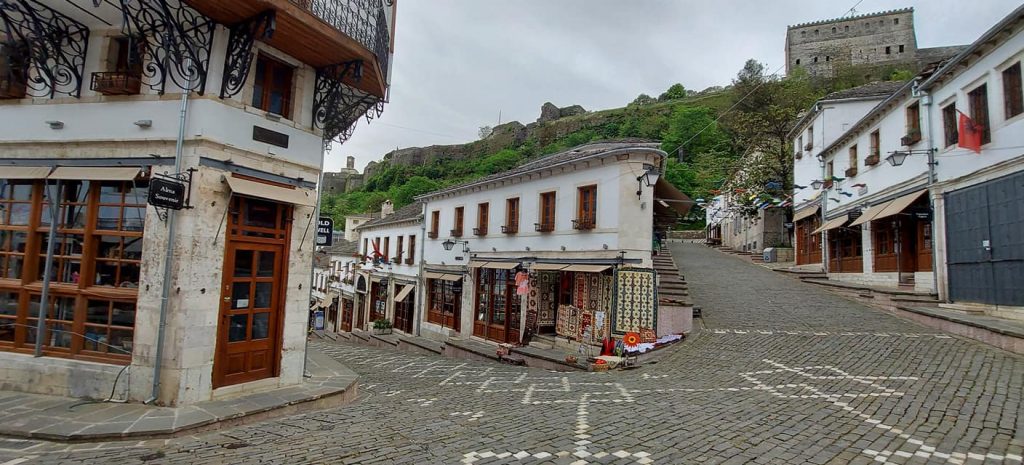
(421, 130)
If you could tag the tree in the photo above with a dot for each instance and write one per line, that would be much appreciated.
(643, 100)
(485, 132)
(677, 91)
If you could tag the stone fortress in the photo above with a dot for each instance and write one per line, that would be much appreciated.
(344, 180)
(874, 39)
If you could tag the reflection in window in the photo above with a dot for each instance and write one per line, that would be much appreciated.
(260, 325)
(237, 327)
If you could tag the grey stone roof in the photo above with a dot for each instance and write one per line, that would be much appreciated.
(926, 56)
(582, 151)
(880, 89)
(406, 213)
(341, 247)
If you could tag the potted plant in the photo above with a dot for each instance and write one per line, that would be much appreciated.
(381, 326)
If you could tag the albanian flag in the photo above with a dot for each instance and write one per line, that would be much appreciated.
(970, 133)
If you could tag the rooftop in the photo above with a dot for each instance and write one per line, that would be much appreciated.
(854, 18)
(880, 89)
(581, 151)
(406, 213)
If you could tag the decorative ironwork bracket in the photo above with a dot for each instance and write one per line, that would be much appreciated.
(238, 63)
(184, 178)
(337, 106)
(178, 38)
(56, 45)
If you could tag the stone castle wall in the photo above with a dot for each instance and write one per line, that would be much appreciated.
(821, 47)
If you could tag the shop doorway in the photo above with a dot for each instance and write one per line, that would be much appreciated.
(252, 293)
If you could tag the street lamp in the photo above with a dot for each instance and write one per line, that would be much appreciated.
(817, 183)
(897, 157)
(449, 244)
(649, 177)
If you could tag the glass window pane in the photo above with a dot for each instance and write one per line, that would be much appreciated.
(98, 312)
(8, 303)
(240, 295)
(243, 263)
(260, 214)
(133, 218)
(132, 248)
(95, 338)
(264, 292)
(112, 192)
(265, 268)
(260, 325)
(238, 327)
(107, 217)
(123, 314)
(20, 213)
(121, 341)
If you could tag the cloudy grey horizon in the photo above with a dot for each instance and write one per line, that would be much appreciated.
(458, 64)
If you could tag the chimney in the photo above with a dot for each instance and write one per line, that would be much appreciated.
(351, 162)
(386, 208)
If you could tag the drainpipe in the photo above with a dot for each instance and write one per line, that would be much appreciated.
(422, 301)
(172, 216)
(44, 297)
(926, 103)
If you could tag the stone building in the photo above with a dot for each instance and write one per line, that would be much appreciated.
(235, 100)
(821, 47)
(344, 180)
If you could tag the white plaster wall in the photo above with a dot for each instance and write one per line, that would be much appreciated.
(623, 220)
(393, 231)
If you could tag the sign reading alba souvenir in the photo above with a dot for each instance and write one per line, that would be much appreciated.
(166, 193)
(325, 232)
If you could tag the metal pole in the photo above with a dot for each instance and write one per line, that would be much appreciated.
(312, 262)
(44, 297)
(172, 216)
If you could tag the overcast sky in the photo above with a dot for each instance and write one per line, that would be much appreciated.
(459, 62)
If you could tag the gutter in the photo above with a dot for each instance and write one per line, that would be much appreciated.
(990, 34)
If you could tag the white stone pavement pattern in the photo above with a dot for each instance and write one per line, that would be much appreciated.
(784, 373)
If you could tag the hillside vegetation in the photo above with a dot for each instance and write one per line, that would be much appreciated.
(706, 135)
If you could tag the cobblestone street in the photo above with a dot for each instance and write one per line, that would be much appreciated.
(782, 372)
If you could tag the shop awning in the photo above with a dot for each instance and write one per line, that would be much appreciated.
(665, 192)
(95, 173)
(25, 172)
(871, 213)
(805, 213)
(270, 192)
(477, 264)
(442, 276)
(897, 206)
(832, 224)
(406, 290)
(587, 268)
(547, 266)
(501, 265)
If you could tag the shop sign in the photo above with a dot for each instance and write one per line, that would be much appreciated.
(324, 232)
(166, 193)
(925, 215)
(318, 320)
(457, 287)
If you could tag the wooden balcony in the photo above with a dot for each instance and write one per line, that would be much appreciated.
(319, 32)
(117, 83)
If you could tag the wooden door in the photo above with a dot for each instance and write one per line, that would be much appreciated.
(248, 336)
(924, 245)
(346, 315)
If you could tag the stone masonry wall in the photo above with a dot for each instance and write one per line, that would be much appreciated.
(822, 47)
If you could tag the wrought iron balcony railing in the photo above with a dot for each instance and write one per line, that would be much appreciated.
(362, 20)
(117, 83)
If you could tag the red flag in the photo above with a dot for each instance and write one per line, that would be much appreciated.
(376, 251)
(970, 133)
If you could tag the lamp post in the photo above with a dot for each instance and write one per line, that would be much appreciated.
(649, 177)
(817, 183)
(449, 244)
(897, 157)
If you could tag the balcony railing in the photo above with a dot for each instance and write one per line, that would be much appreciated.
(480, 231)
(583, 224)
(456, 233)
(117, 83)
(362, 20)
(506, 229)
(544, 227)
(432, 234)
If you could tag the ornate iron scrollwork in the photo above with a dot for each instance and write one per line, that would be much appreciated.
(178, 38)
(362, 20)
(56, 45)
(239, 60)
(336, 105)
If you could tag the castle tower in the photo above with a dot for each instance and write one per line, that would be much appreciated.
(350, 162)
(822, 47)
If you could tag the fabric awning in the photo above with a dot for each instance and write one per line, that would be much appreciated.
(832, 224)
(587, 268)
(871, 213)
(432, 275)
(805, 213)
(477, 264)
(451, 277)
(95, 173)
(547, 266)
(442, 276)
(25, 172)
(406, 290)
(900, 204)
(675, 199)
(501, 265)
(270, 192)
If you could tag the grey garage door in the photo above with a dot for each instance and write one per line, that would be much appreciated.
(992, 212)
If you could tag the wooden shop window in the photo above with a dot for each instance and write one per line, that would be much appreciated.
(272, 91)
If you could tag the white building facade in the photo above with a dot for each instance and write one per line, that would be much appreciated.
(544, 248)
(912, 206)
(100, 100)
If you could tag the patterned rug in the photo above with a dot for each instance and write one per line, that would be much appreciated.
(543, 290)
(636, 302)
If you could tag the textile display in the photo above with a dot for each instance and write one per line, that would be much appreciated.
(522, 283)
(568, 321)
(580, 295)
(647, 335)
(543, 288)
(586, 322)
(636, 300)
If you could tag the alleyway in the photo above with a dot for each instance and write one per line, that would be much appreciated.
(783, 373)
